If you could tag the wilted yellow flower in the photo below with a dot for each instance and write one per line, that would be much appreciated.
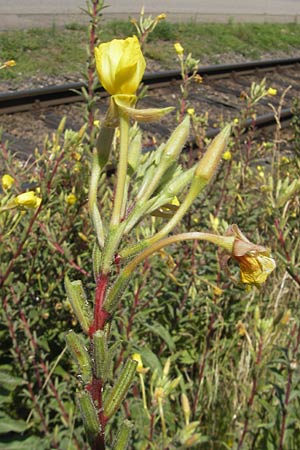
(7, 181)
(255, 261)
(120, 65)
(178, 48)
(272, 91)
(227, 156)
(82, 236)
(28, 199)
(71, 199)
(137, 357)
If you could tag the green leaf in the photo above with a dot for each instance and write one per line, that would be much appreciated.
(7, 424)
(31, 443)
(162, 332)
(9, 382)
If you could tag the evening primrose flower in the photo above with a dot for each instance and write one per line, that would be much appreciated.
(120, 65)
(28, 199)
(272, 91)
(71, 199)
(255, 261)
(7, 181)
(227, 156)
(178, 48)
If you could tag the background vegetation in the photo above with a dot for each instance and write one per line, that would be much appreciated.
(59, 51)
(221, 361)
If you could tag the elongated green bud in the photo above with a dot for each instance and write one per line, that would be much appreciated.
(141, 115)
(96, 257)
(176, 141)
(80, 355)
(120, 388)
(211, 158)
(77, 298)
(134, 152)
(103, 144)
(89, 417)
(100, 355)
(169, 155)
(122, 441)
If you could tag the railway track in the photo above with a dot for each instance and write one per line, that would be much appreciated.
(219, 95)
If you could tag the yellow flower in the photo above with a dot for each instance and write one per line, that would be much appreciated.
(160, 17)
(235, 120)
(272, 91)
(28, 199)
(190, 111)
(255, 261)
(227, 155)
(7, 181)
(139, 368)
(10, 63)
(120, 65)
(71, 199)
(178, 48)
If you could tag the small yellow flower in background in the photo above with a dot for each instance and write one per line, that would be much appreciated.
(7, 64)
(28, 199)
(235, 120)
(7, 181)
(178, 49)
(140, 368)
(227, 156)
(120, 65)
(241, 329)
(82, 236)
(272, 91)
(190, 111)
(285, 160)
(71, 199)
(160, 17)
(198, 79)
(217, 291)
(255, 261)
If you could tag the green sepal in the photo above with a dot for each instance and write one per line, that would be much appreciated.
(104, 144)
(100, 355)
(80, 355)
(89, 417)
(122, 440)
(77, 298)
(140, 115)
(120, 388)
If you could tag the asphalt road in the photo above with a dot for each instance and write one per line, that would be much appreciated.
(28, 13)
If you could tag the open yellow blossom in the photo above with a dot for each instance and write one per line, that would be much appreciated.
(227, 156)
(178, 48)
(7, 181)
(272, 91)
(190, 111)
(120, 65)
(28, 199)
(71, 199)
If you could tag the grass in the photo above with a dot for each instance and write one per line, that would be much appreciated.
(58, 51)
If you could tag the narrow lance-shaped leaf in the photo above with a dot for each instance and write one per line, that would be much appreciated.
(80, 355)
(79, 303)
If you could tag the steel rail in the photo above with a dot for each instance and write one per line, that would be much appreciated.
(68, 93)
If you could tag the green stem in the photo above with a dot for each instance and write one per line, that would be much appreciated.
(122, 170)
(111, 300)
